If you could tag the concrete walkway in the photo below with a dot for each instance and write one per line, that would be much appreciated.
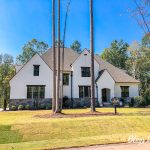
(145, 146)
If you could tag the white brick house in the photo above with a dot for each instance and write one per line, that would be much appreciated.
(34, 80)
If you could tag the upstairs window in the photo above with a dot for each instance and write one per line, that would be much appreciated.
(66, 79)
(124, 91)
(35, 91)
(36, 70)
(85, 72)
(84, 91)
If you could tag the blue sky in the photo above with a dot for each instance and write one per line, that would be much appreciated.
(22, 20)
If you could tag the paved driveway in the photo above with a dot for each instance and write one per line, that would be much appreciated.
(145, 146)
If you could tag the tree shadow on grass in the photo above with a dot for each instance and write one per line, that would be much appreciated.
(65, 115)
(7, 135)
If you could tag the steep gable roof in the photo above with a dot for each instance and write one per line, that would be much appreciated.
(69, 57)
(22, 66)
(117, 74)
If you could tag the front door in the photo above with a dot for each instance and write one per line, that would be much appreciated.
(104, 95)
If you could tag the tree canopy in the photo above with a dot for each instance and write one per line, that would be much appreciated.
(29, 49)
(61, 44)
(116, 54)
(7, 71)
(146, 40)
(143, 73)
(76, 46)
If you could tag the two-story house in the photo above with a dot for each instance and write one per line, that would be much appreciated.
(33, 81)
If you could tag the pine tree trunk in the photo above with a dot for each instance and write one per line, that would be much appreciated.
(54, 57)
(92, 58)
(4, 99)
(63, 51)
(58, 65)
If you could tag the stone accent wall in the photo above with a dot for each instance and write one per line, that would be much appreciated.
(83, 102)
(34, 104)
(47, 103)
(79, 103)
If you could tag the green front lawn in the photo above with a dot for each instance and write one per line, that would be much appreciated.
(21, 130)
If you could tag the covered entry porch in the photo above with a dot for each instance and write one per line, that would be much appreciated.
(105, 87)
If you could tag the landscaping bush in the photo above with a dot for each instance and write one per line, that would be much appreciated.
(27, 107)
(132, 102)
(13, 108)
(82, 103)
(139, 101)
(20, 107)
(42, 106)
(48, 106)
(66, 102)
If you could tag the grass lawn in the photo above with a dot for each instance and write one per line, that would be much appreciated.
(21, 130)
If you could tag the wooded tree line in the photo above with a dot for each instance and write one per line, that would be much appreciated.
(7, 71)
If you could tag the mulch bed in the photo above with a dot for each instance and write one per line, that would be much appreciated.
(62, 115)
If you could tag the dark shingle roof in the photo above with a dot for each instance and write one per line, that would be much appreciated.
(117, 74)
(70, 56)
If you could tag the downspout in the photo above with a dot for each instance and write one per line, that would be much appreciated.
(71, 89)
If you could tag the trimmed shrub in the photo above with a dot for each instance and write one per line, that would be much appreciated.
(20, 107)
(132, 102)
(139, 101)
(13, 108)
(82, 103)
(48, 106)
(42, 106)
(27, 107)
(66, 102)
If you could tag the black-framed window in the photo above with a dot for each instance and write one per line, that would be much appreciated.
(85, 72)
(35, 91)
(36, 70)
(124, 91)
(84, 91)
(66, 79)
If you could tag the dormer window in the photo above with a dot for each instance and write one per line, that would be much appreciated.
(36, 70)
(85, 72)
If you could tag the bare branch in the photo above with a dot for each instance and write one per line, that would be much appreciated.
(142, 12)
